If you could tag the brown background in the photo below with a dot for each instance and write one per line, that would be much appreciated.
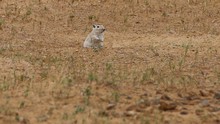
(158, 54)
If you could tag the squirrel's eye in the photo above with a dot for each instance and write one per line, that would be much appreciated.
(97, 26)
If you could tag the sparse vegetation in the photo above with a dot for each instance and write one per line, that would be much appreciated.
(1, 23)
(160, 63)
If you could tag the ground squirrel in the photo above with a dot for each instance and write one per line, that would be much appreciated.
(95, 38)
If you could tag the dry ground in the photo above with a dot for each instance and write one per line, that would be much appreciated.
(160, 64)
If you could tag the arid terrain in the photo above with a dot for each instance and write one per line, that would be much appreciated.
(160, 63)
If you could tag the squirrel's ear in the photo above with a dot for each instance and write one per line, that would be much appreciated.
(93, 26)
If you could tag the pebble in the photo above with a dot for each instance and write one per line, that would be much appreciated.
(183, 112)
(203, 93)
(205, 103)
(165, 97)
(217, 95)
(110, 106)
(167, 106)
(130, 113)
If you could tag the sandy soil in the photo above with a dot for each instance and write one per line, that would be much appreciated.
(160, 62)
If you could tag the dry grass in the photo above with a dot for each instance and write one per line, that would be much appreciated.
(155, 52)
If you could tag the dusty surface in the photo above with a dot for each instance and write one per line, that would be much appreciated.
(160, 64)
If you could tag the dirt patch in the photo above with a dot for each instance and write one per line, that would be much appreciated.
(160, 62)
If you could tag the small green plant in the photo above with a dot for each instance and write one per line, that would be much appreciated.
(2, 49)
(4, 85)
(116, 96)
(26, 92)
(164, 14)
(110, 75)
(79, 109)
(96, 49)
(92, 77)
(71, 17)
(28, 13)
(217, 75)
(147, 75)
(44, 74)
(67, 81)
(172, 65)
(15, 78)
(17, 117)
(2, 21)
(125, 19)
(186, 49)
(108, 66)
(22, 104)
(92, 17)
(196, 54)
(65, 116)
(87, 93)
(145, 120)
(146, 2)
(183, 59)
(153, 49)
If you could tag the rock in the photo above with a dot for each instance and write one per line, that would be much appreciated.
(144, 95)
(183, 112)
(204, 103)
(165, 97)
(130, 113)
(214, 109)
(194, 102)
(167, 106)
(128, 97)
(199, 112)
(136, 108)
(217, 95)
(203, 93)
(131, 108)
(143, 103)
(191, 96)
(217, 121)
(180, 95)
(159, 92)
(211, 91)
(140, 106)
(183, 102)
(117, 114)
(184, 108)
(110, 106)
(155, 101)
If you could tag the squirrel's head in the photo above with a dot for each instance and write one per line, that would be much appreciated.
(98, 28)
